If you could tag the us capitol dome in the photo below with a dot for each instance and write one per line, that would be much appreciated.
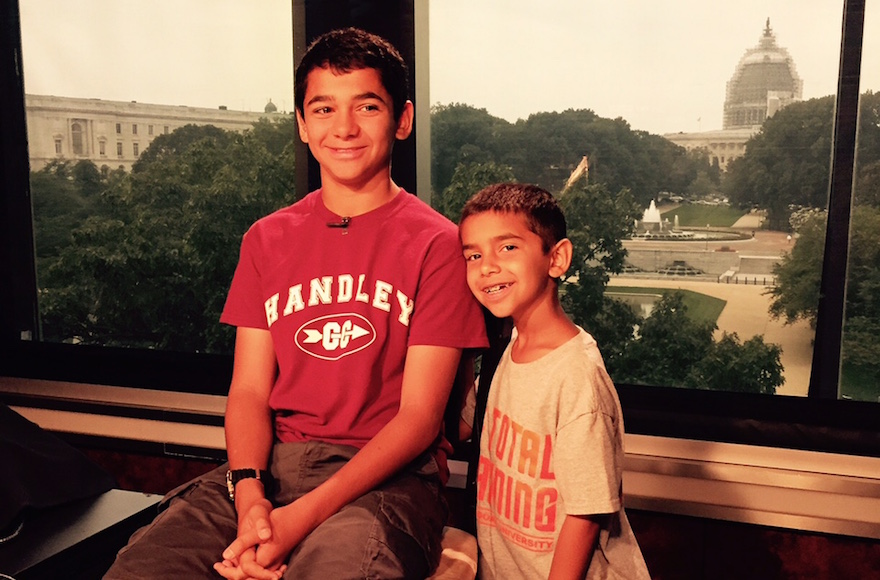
(765, 80)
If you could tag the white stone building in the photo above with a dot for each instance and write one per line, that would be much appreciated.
(113, 134)
(765, 80)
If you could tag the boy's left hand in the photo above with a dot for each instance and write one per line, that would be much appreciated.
(251, 557)
(244, 567)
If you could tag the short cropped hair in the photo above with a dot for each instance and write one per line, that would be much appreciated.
(349, 49)
(537, 205)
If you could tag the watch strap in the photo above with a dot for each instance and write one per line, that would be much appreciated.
(233, 476)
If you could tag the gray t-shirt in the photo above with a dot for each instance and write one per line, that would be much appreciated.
(552, 444)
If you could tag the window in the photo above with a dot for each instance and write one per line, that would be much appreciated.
(538, 125)
(102, 148)
(185, 104)
(76, 136)
(859, 366)
(58, 150)
(490, 120)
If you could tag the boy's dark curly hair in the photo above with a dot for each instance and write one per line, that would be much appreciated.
(349, 49)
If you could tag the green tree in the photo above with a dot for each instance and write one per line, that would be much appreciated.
(151, 266)
(597, 223)
(169, 145)
(798, 276)
(668, 346)
(796, 294)
(860, 345)
(786, 165)
(472, 149)
(468, 179)
(701, 186)
(61, 196)
(787, 162)
(550, 145)
(867, 191)
(671, 349)
(868, 154)
(461, 134)
(87, 178)
(729, 365)
(546, 147)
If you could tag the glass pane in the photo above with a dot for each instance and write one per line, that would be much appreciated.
(158, 132)
(860, 376)
(689, 142)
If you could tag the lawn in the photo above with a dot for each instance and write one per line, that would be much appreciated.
(859, 384)
(694, 215)
(700, 307)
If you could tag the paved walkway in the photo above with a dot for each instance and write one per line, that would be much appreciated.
(750, 221)
(746, 314)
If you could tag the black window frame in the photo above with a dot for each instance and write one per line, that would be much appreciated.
(818, 422)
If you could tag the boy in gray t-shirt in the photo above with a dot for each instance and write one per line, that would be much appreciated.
(549, 485)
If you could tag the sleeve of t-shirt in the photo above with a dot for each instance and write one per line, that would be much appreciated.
(241, 309)
(585, 457)
(446, 313)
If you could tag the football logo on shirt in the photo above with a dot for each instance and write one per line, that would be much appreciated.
(335, 336)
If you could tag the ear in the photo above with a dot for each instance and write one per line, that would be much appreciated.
(405, 124)
(301, 127)
(560, 258)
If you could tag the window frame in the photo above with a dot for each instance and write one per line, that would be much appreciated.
(819, 422)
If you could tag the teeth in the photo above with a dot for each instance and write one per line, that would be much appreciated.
(494, 289)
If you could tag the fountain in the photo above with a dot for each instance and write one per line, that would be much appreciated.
(651, 218)
(658, 248)
(653, 227)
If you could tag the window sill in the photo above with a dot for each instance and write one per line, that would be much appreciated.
(802, 490)
(787, 488)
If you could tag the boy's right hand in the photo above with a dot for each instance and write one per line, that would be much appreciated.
(254, 524)
(256, 517)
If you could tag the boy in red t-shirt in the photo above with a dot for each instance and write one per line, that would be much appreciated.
(352, 311)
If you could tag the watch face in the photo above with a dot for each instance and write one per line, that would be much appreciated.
(230, 486)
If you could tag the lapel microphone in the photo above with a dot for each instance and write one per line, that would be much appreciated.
(341, 224)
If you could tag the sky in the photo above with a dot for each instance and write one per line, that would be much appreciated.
(662, 65)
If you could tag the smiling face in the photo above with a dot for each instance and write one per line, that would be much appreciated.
(507, 268)
(348, 122)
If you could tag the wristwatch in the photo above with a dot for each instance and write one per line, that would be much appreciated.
(233, 476)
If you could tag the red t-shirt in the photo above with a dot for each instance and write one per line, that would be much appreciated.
(344, 303)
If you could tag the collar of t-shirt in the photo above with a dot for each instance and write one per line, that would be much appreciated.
(374, 217)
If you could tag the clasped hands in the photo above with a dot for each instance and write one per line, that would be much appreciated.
(266, 537)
